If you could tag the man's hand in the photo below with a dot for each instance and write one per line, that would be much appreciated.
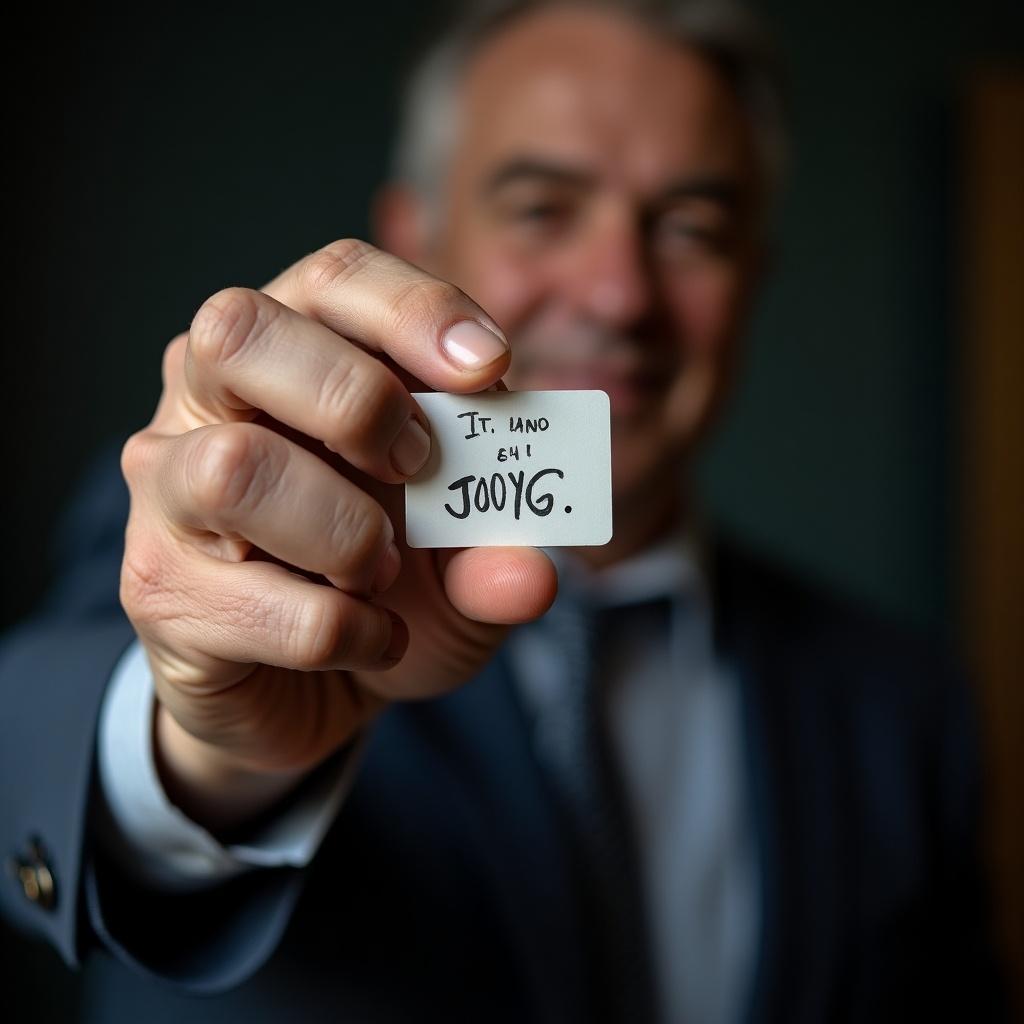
(262, 571)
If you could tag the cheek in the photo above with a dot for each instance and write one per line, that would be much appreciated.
(704, 309)
(507, 287)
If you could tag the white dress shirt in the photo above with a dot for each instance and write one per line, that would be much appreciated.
(676, 730)
(155, 840)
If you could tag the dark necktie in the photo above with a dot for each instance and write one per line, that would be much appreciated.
(575, 743)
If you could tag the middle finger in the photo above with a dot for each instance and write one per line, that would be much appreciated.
(247, 351)
(242, 480)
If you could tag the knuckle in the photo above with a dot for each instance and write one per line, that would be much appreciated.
(337, 389)
(359, 399)
(137, 456)
(320, 635)
(426, 301)
(335, 263)
(227, 324)
(226, 467)
(145, 590)
(173, 358)
(357, 531)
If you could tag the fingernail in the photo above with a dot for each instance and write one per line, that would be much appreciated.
(411, 448)
(399, 638)
(471, 346)
(388, 570)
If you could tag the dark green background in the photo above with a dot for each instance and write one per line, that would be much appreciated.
(160, 157)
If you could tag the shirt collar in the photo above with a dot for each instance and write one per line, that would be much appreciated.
(673, 567)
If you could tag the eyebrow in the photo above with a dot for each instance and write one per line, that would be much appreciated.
(718, 188)
(531, 168)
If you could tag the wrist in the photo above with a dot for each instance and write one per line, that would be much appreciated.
(214, 789)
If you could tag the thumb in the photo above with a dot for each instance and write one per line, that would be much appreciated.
(499, 585)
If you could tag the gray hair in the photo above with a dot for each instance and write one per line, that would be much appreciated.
(722, 31)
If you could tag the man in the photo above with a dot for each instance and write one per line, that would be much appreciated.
(758, 803)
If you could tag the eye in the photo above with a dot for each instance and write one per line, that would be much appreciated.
(684, 233)
(539, 220)
(536, 212)
(542, 212)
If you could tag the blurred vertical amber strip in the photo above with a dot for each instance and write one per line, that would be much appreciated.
(993, 495)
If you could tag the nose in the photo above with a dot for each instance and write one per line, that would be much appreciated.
(610, 275)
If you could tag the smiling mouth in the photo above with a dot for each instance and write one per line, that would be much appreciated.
(634, 371)
(631, 389)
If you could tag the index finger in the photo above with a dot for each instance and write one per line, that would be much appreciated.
(426, 325)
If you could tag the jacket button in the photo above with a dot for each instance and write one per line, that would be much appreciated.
(33, 874)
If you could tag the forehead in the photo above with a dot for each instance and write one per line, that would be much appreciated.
(601, 90)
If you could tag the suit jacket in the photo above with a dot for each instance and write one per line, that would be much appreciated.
(446, 890)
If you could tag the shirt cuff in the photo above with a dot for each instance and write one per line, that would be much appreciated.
(154, 839)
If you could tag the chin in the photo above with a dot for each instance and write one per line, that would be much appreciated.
(642, 466)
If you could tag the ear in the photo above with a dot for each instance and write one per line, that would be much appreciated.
(398, 222)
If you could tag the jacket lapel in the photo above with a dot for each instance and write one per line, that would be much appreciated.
(788, 729)
(529, 856)
(797, 813)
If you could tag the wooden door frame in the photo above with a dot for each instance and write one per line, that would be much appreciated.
(992, 376)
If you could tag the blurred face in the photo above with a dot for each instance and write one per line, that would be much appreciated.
(600, 205)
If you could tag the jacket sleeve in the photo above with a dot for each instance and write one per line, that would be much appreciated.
(59, 883)
(974, 985)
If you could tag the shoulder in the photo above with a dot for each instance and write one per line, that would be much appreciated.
(837, 682)
(812, 613)
(821, 640)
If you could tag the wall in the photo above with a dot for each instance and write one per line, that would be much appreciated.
(159, 159)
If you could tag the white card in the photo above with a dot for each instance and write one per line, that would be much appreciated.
(515, 467)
